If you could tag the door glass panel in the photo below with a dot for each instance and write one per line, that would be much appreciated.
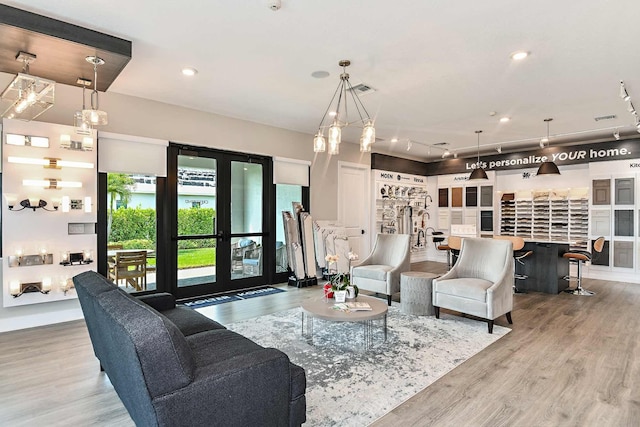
(131, 231)
(246, 257)
(196, 217)
(246, 198)
(285, 195)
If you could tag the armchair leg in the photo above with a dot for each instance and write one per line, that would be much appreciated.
(509, 318)
(490, 322)
(389, 299)
(437, 310)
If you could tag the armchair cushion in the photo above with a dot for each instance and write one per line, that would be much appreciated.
(469, 287)
(373, 271)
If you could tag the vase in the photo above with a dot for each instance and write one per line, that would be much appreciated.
(351, 292)
(328, 293)
(340, 296)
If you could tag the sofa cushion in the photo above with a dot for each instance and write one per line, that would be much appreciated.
(165, 357)
(221, 344)
(372, 271)
(298, 381)
(190, 321)
(472, 288)
(93, 284)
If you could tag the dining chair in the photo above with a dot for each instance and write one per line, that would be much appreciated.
(130, 267)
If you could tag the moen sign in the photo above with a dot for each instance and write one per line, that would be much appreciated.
(567, 155)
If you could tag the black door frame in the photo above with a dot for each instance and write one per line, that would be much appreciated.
(223, 222)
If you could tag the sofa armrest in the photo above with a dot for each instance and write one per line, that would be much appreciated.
(160, 301)
(250, 389)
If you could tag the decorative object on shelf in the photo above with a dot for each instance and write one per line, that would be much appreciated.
(31, 203)
(478, 173)
(29, 95)
(82, 126)
(76, 258)
(95, 116)
(51, 183)
(16, 288)
(548, 167)
(28, 140)
(341, 118)
(49, 162)
(86, 144)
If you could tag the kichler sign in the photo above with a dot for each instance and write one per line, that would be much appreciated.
(567, 155)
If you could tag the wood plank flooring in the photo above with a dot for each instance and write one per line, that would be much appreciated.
(569, 361)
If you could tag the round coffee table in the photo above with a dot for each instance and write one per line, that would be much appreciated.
(322, 308)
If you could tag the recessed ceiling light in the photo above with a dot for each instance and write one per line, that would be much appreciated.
(332, 113)
(504, 119)
(394, 140)
(517, 56)
(320, 74)
(188, 71)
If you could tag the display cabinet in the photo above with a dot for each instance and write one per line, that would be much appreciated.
(486, 196)
(601, 192)
(624, 191)
(471, 196)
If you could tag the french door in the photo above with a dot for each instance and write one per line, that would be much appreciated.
(218, 216)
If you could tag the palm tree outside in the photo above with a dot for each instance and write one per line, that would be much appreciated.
(119, 186)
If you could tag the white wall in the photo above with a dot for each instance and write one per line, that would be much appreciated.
(140, 117)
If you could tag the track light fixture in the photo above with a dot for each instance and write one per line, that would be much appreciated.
(499, 149)
(548, 168)
(623, 92)
(616, 134)
(408, 144)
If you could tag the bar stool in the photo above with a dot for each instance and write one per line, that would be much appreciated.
(438, 239)
(518, 255)
(581, 256)
(454, 243)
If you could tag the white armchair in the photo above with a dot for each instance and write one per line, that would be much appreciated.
(480, 283)
(380, 271)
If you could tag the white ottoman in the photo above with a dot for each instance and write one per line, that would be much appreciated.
(415, 293)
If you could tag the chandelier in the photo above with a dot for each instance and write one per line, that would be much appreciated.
(29, 95)
(340, 118)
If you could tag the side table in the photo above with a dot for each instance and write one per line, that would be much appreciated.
(415, 293)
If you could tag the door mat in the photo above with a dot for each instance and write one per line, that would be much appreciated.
(236, 296)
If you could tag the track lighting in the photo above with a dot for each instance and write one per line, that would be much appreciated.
(623, 92)
(455, 154)
(408, 144)
(630, 107)
(499, 149)
(616, 134)
(445, 153)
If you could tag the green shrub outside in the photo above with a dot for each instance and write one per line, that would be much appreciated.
(137, 226)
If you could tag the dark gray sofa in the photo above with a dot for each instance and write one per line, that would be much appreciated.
(172, 366)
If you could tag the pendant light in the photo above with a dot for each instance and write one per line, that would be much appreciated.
(339, 111)
(478, 173)
(547, 168)
(95, 116)
(82, 126)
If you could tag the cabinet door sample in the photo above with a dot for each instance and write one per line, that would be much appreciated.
(456, 197)
(600, 258)
(444, 220)
(486, 221)
(471, 199)
(456, 217)
(623, 254)
(601, 222)
(624, 191)
(443, 197)
(623, 223)
(486, 195)
(601, 192)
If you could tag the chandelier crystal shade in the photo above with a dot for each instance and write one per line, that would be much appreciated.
(338, 109)
(28, 96)
(82, 126)
(95, 116)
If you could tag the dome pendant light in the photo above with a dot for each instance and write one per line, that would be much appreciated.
(548, 168)
(478, 173)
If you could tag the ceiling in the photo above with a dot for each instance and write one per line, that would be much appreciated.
(440, 68)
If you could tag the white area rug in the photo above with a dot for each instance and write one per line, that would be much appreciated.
(348, 386)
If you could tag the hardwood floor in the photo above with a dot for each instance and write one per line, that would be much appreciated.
(569, 361)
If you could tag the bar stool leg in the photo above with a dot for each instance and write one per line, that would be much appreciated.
(579, 290)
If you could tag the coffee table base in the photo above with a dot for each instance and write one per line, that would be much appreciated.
(367, 328)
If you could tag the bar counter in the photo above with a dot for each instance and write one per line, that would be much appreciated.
(545, 267)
